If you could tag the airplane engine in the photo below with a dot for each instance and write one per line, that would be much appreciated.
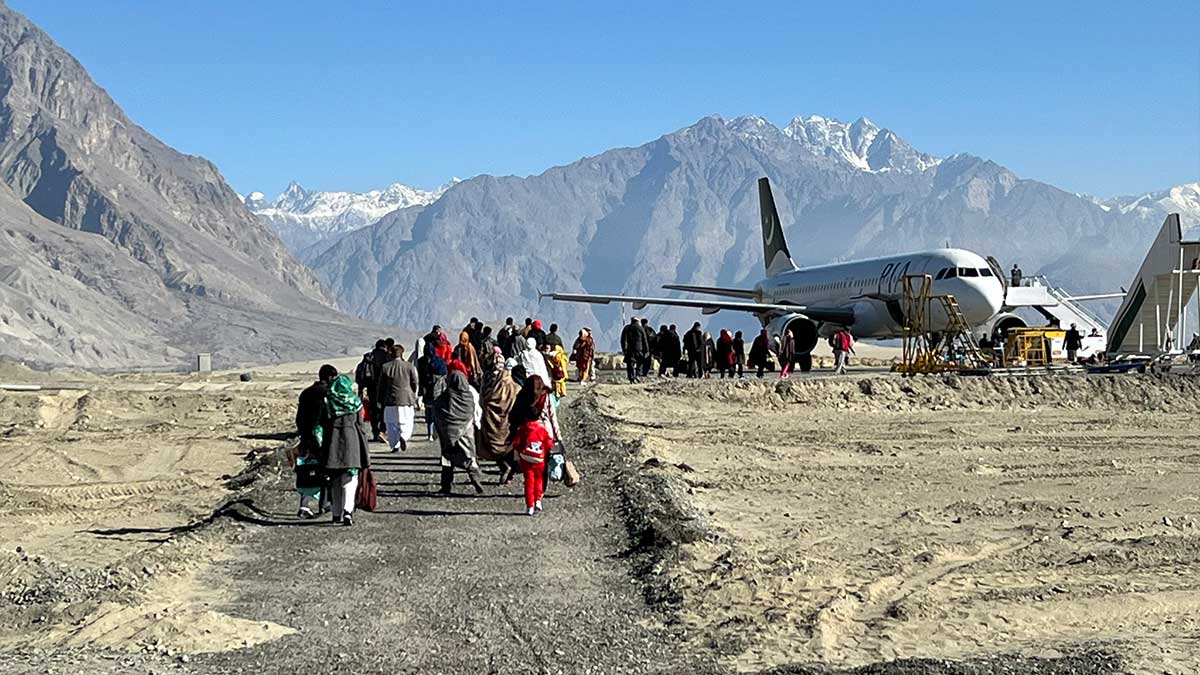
(804, 332)
(1000, 324)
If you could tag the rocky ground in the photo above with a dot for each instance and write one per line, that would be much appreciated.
(847, 525)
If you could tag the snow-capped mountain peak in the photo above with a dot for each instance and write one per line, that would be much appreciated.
(861, 145)
(303, 217)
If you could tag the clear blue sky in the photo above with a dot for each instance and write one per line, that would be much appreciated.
(1099, 97)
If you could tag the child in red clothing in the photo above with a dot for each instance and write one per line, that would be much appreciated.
(532, 442)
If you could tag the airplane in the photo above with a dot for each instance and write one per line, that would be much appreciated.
(862, 296)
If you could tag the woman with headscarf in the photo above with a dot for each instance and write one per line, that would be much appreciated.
(760, 350)
(465, 352)
(343, 447)
(559, 367)
(499, 395)
(583, 352)
(725, 354)
(416, 358)
(787, 354)
(531, 362)
(431, 373)
(708, 355)
(456, 422)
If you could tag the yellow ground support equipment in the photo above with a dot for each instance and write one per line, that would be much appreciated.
(925, 350)
(1031, 347)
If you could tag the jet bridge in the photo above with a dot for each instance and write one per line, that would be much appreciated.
(1156, 303)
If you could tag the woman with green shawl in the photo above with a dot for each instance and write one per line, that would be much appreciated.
(343, 447)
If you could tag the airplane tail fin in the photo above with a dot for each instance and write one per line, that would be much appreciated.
(776, 257)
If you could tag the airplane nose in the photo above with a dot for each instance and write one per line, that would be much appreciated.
(984, 298)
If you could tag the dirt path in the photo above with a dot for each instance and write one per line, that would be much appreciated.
(449, 585)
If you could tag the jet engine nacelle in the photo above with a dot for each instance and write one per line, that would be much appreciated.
(1000, 324)
(805, 333)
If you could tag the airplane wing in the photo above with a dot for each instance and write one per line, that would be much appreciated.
(839, 315)
(713, 290)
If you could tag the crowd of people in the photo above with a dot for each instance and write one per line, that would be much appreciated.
(492, 396)
(698, 355)
(486, 397)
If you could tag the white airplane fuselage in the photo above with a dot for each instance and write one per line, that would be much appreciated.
(873, 288)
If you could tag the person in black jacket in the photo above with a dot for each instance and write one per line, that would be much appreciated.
(652, 349)
(635, 345)
(676, 350)
(693, 344)
(739, 354)
(666, 351)
(308, 420)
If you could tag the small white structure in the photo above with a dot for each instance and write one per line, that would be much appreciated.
(204, 362)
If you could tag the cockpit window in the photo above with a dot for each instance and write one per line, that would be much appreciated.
(941, 274)
(985, 272)
(968, 272)
(951, 273)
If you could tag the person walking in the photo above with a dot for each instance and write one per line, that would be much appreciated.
(843, 346)
(532, 443)
(396, 390)
(531, 362)
(535, 405)
(343, 447)
(676, 349)
(739, 354)
(1072, 343)
(309, 414)
(760, 352)
(553, 338)
(455, 419)
(558, 366)
(497, 399)
(583, 352)
(787, 354)
(536, 332)
(635, 346)
(651, 349)
(709, 355)
(505, 338)
(465, 352)
(724, 354)
(693, 344)
(432, 376)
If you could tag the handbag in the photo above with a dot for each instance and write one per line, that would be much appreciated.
(367, 491)
(570, 474)
(554, 466)
(309, 475)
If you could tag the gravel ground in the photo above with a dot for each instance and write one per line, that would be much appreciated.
(471, 585)
(463, 584)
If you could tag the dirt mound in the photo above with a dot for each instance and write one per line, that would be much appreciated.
(891, 393)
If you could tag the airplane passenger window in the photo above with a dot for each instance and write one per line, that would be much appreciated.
(985, 272)
(968, 272)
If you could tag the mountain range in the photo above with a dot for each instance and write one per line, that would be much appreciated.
(683, 209)
(303, 218)
(119, 250)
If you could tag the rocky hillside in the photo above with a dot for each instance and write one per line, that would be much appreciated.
(121, 250)
(683, 208)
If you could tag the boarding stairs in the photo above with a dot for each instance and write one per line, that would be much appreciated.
(1053, 303)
